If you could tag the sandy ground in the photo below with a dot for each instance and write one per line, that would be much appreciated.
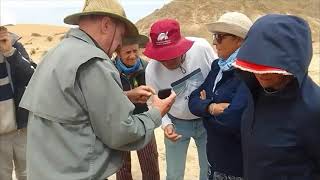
(191, 172)
(314, 70)
(37, 39)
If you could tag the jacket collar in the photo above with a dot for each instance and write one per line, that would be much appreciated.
(79, 34)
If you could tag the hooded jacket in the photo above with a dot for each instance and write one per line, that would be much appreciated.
(281, 131)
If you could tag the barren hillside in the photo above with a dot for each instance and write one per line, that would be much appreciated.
(194, 14)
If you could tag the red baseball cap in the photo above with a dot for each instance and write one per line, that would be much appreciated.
(166, 41)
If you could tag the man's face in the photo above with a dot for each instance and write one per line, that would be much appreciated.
(272, 80)
(129, 54)
(172, 63)
(5, 40)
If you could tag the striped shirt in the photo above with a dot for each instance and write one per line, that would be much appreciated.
(7, 107)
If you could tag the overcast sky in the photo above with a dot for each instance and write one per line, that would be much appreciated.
(53, 11)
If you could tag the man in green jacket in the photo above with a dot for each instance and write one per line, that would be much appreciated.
(80, 119)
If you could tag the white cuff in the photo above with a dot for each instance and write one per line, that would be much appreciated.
(165, 121)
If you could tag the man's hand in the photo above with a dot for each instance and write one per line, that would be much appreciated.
(217, 108)
(170, 133)
(140, 94)
(5, 41)
(163, 105)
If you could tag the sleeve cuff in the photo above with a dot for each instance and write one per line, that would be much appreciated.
(155, 116)
(10, 53)
(166, 121)
(204, 107)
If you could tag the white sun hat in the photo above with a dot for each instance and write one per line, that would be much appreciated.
(233, 23)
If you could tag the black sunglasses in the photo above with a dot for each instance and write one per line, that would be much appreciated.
(218, 37)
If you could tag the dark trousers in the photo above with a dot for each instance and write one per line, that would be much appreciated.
(148, 159)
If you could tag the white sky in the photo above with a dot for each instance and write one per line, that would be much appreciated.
(53, 11)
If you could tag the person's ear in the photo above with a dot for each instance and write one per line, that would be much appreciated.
(106, 24)
(239, 41)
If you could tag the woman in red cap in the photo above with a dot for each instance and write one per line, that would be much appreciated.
(281, 127)
(181, 64)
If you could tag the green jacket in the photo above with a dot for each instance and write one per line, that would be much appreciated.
(80, 120)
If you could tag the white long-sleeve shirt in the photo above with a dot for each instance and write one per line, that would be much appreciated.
(197, 64)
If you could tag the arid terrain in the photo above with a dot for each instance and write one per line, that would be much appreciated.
(193, 15)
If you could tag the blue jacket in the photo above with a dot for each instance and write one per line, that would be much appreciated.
(281, 131)
(223, 143)
(21, 69)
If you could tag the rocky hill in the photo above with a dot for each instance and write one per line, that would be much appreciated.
(194, 14)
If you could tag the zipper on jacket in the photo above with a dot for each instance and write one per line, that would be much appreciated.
(252, 127)
(252, 117)
(128, 81)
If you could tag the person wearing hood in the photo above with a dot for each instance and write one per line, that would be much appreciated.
(15, 73)
(221, 99)
(132, 73)
(80, 119)
(281, 127)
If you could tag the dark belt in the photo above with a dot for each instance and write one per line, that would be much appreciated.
(175, 118)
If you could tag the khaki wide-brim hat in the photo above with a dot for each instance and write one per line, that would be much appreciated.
(111, 8)
(142, 40)
(233, 23)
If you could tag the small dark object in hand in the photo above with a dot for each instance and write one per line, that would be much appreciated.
(164, 93)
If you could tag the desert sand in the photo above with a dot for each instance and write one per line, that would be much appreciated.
(37, 39)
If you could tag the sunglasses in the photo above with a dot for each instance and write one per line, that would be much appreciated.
(218, 37)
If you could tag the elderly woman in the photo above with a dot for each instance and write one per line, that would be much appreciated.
(221, 99)
(132, 73)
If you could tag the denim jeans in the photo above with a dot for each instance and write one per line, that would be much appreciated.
(176, 152)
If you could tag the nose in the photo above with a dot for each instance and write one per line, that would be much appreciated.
(166, 63)
(132, 56)
(214, 42)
